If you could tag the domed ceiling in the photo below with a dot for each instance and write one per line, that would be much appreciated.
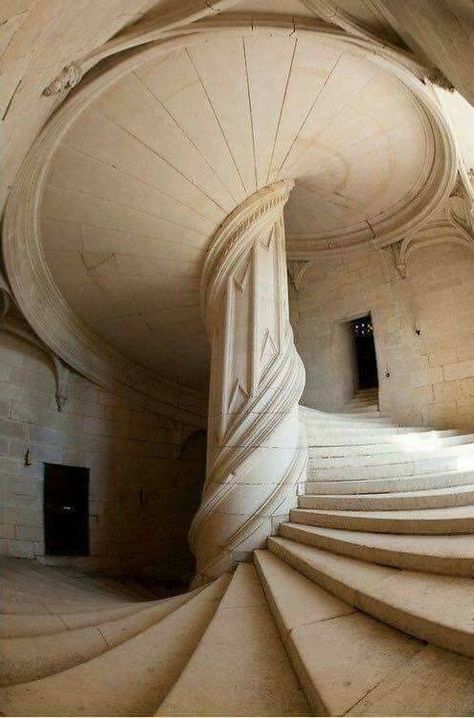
(144, 176)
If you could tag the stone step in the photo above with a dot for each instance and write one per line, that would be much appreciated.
(422, 443)
(240, 666)
(419, 482)
(427, 499)
(130, 679)
(361, 408)
(362, 436)
(30, 658)
(461, 454)
(385, 471)
(433, 608)
(453, 520)
(341, 655)
(447, 555)
(41, 624)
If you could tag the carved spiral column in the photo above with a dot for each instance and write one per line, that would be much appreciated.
(256, 454)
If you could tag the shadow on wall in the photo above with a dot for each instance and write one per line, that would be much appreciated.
(145, 480)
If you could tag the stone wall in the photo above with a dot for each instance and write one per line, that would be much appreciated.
(424, 332)
(126, 449)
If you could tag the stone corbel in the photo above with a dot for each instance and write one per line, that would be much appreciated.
(17, 328)
(297, 268)
(452, 224)
(398, 250)
(69, 77)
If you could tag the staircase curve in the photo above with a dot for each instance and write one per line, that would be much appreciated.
(362, 604)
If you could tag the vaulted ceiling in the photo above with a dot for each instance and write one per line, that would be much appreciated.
(147, 172)
(148, 167)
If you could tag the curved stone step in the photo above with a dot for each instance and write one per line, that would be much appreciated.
(454, 520)
(240, 666)
(26, 625)
(397, 470)
(131, 679)
(339, 654)
(350, 664)
(30, 658)
(433, 683)
(423, 443)
(420, 482)
(446, 555)
(427, 499)
(437, 609)
(462, 454)
(327, 436)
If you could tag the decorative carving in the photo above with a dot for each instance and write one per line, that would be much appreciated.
(399, 258)
(70, 76)
(60, 370)
(256, 456)
(297, 268)
(448, 226)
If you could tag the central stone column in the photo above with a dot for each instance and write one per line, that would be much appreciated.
(256, 454)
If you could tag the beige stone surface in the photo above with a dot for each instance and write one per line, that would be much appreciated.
(30, 658)
(434, 683)
(430, 374)
(125, 448)
(433, 608)
(450, 555)
(148, 171)
(129, 679)
(240, 667)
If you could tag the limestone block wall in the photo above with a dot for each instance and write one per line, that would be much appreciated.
(126, 449)
(423, 324)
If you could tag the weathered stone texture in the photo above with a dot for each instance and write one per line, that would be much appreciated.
(126, 449)
(431, 374)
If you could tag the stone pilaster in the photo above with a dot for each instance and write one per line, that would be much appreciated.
(256, 454)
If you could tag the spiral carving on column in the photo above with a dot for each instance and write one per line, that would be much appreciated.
(256, 455)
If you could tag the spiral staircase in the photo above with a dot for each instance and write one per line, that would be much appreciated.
(363, 604)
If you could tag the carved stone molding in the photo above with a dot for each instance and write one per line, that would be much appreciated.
(447, 227)
(256, 455)
(70, 76)
(297, 268)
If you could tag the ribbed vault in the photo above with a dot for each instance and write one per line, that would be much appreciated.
(148, 170)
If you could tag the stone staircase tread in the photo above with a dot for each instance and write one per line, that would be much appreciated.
(39, 624)
(340, 655)
(130, 679)
(442, 497)
(447, 555)
(443, 479)
(240, 666)
(437, 609)
(31, 658)
(463, 451)
(450, 520)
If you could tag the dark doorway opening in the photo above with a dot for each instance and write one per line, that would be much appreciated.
(66, 510)
(363, 333)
